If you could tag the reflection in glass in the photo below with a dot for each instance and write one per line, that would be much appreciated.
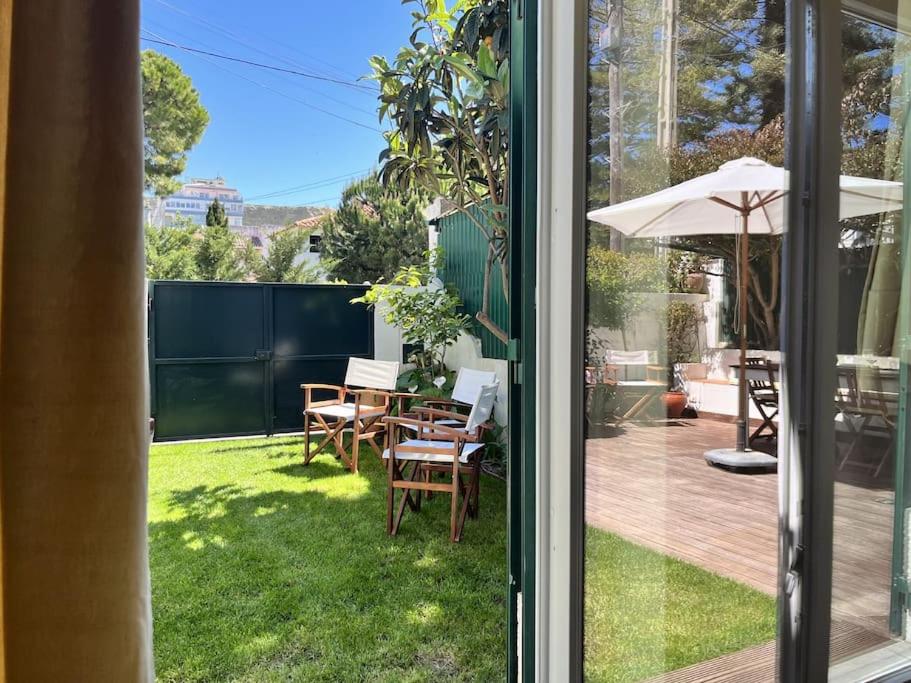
(680, 558)
(869, 595)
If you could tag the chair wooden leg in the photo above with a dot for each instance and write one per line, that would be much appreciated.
(306, 439)
(355, 446)
(475, 489)
(454, 530)
(390, 494)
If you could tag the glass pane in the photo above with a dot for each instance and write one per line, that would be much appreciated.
(869, 599)
(686, 99)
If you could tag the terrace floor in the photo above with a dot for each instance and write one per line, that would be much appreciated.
(650, 484)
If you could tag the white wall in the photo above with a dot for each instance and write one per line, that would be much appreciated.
(387, 339)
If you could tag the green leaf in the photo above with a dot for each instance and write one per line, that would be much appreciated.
(459, 62)
(486, 63)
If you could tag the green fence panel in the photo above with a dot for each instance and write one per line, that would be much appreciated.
(465, 250)
(228, 358)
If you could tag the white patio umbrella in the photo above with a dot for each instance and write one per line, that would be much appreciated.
(743, 196)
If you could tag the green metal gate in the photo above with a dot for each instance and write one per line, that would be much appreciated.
(227, 358)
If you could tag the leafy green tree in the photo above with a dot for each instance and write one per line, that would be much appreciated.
(428, 317)
(280, 263)
(215, 214)
(376, 231)
(170, 253)
(446, 97)
(173, 118)
(220, 255)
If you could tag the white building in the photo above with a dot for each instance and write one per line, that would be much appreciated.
(194, 198)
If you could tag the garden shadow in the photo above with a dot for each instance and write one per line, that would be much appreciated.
(310, 582)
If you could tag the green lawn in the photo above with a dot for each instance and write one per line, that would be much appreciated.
(646, 613)
(265, 570)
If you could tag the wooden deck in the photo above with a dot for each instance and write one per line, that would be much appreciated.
(651, 485)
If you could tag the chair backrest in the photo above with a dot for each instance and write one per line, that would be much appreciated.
(612, 357)
(482, 407)
(469, 382)
(372, 374)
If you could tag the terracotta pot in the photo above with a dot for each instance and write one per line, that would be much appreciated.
(674, 403)
(695, 282)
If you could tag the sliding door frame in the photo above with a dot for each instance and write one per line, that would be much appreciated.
(808, 320)
(809, 315)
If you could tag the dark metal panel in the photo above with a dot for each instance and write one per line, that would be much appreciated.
(209, 400)
(320, 320)
(214, 346)
(288, 375)
(208, 320)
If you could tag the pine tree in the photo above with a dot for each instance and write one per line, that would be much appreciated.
(375, 232)
(215, 215)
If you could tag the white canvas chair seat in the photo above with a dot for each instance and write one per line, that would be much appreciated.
(338, 411)
(467, 451)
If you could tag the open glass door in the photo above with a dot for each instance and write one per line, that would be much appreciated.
(679, 392)
(869, 616)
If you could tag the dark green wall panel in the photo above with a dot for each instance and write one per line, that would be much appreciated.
(465, 250)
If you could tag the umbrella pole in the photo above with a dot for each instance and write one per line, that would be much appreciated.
(743, 409)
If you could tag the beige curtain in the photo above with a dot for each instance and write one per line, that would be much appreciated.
(73, 429)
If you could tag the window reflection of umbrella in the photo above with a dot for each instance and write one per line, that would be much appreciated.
(755, 192)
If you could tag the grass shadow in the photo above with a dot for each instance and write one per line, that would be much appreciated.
(287, 573)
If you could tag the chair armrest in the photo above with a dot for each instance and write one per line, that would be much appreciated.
(329, 387)
(308, 389)
(425, 426)
(436, 413)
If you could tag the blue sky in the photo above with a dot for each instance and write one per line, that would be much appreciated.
(263, 137)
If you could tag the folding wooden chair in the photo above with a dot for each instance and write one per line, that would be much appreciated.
(370, 383)
(453, 449)
(764, 394)
(866, 409)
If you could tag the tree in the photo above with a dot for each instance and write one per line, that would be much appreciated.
(376, 231)
(173, 118)
(219, 254)
(446, 96)
(428, 317)
(215, 215)
(279, 264)
(169, 253)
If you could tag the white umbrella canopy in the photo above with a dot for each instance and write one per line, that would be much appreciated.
(744, 196)
(712, 203)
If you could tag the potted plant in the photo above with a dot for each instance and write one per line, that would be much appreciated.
(682, 335)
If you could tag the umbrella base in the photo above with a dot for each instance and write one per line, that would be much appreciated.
(741, 461)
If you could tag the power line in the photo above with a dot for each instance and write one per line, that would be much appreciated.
(295, 189)
(258, 64)
(279, 92)
(295, 82)
(231, 35)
